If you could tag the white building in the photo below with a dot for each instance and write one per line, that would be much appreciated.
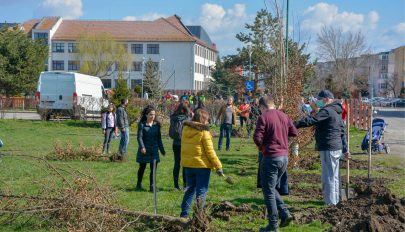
(184, 55)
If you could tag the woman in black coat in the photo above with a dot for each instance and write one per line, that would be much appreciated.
(149, 142)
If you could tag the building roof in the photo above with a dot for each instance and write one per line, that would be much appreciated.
(47, 23)
(159, 30)
(29, 25)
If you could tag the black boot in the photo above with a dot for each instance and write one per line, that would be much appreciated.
(139, 188)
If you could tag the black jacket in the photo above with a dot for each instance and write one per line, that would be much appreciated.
(150, 138)
(329, 128)
(176, 127)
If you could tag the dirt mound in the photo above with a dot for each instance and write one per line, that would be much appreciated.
(295, 178)
(226, 209)
(374, 209)
(356, 164)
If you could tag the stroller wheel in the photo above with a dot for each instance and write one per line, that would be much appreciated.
(387, 149)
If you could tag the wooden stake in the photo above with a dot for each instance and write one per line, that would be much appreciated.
(348, 150)
(370, 140)
(154, 186)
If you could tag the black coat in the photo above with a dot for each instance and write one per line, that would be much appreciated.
(150, 138)
(329, 128)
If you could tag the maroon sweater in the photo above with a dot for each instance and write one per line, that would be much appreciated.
(272, 131)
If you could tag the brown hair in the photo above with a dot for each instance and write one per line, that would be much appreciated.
(182, 109)
(265, 101)
(201, 116)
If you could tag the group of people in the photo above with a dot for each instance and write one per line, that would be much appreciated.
(194, 149)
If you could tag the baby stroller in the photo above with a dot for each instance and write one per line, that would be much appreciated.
(378, 144)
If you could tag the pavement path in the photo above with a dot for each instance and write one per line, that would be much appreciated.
(26, 115)
(395, 132)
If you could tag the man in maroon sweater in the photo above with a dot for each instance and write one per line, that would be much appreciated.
(271, 136)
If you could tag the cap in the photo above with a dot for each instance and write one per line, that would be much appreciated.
(325, 94)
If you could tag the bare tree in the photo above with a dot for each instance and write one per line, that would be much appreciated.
(393, 84)
(343, 49)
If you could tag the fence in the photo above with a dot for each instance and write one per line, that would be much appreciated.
(17, 103)
(360, 114)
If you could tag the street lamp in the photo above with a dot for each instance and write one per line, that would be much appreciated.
(250, 61)
(160, 69)
(143, 74)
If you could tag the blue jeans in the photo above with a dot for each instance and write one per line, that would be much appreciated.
(226, 129)
(109, 131)
(124, 141)
(330, 176)
(197, 182)
(271, 171)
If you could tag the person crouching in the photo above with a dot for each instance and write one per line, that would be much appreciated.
(198, 157)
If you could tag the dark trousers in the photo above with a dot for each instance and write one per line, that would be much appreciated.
(225, 130)
(141, 171)
(198, 180)
(282, 186)
(109, 131)
(176, 168)
(271, 170)
(243, 120)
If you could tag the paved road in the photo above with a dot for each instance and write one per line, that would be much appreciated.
(21, 115)
(395, 131)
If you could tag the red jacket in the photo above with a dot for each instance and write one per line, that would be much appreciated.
(344, 112)
(272, 131)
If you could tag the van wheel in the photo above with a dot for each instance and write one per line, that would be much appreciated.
(82, 114)
(45, 116)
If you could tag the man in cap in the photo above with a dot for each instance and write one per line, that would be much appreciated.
(330, 142)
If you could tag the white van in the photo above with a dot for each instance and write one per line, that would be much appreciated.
(69, 94)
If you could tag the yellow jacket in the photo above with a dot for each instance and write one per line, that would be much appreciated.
(197, 149)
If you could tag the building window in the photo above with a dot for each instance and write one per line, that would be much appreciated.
(72, 47)
(58, 47)
(135, 82)
(73, 65)
(125, 47)
(138, 49)
(106, 83)
(156, 66)
(137, 66)
(58, 65)
(153, 48)
(384, 75)
(119, 68)
(41, 36)
(383, 85)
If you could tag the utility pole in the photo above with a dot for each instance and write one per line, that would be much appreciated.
(286, 37)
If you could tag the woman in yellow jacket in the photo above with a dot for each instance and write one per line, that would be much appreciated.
(198, 157)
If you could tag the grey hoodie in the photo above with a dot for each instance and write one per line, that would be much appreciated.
(329, 128)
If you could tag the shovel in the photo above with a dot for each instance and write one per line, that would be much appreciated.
(347, 193)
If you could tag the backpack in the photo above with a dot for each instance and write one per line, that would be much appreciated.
(175, 128)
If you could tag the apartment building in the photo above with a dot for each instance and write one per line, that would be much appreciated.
(184, 55)
(379, 69)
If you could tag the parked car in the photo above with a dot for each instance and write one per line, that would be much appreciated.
(376, 101)
(69, 94)
(399, 103)
(364, 99)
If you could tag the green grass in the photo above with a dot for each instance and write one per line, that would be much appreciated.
(36, 138)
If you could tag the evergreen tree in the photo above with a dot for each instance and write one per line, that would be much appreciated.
(152, 83)
(21, 62)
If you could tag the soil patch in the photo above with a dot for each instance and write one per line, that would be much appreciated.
(356, 164)
(226, 209)
(373, 209)
(295, 178)
(305, 193)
